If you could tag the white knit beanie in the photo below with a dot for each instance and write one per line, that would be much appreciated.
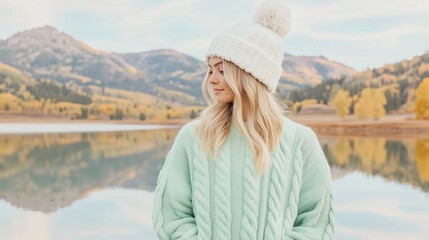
(256, 45)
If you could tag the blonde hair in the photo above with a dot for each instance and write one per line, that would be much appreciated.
(264, 120)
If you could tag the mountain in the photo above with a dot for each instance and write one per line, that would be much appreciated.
(169, 69)
(47, 53)
(167, 74)
(306, 70)
(300, 71)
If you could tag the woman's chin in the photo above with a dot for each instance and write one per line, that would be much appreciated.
(223, 101)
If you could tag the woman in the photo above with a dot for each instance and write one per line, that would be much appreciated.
(243, 170)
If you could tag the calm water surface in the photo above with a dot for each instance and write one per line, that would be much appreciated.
(100, 185)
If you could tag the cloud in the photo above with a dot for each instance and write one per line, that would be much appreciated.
(390, 29)
(26, 13)
(389, 37)
(311, 21)
(340, 10)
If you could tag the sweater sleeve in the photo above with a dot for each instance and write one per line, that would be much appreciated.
(315, 214)
(173, 216)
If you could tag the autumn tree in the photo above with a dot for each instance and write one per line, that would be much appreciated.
(364, 104)
(370, 104)
(298, 106)
(422, 100)
(9, 102)
(342, 103)
(108, 109)
(48, 107)
(32, 106)
(379, 99)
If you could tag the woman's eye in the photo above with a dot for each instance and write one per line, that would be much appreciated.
(211, 72)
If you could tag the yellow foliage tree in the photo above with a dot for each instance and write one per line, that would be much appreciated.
(49, 107)
(178, 113)
(380, 101)
(32, 105)
(342, 103)
(422, 100)
(423, 69)
(107, 108)
(298, 106)
(371, 104)
(364, 105)
(308, 102)
(25, 95)
(70, 109)
(9, 102)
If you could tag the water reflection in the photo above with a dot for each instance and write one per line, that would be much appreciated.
(100, 185)
(50, 171)
(401, 160)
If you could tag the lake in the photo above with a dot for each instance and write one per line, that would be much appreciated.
(99, 185)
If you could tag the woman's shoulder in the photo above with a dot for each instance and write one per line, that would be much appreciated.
(187, 131)
(296, 130)
(293, 126)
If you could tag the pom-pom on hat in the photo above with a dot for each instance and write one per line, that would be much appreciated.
(256, 45)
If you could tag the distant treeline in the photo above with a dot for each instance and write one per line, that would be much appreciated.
(326, 91)
(57, 93)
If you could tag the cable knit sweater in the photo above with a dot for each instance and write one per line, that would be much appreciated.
(197, 198)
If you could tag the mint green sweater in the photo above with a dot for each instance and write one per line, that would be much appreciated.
(196, 198)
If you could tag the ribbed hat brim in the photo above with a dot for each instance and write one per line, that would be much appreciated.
(247, 57)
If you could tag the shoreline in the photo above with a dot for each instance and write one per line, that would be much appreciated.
(325, 125)
(371, 129)
(403, 125)
(15, 118)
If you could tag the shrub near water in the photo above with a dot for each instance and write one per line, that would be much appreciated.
(370, 104)
(422, 100)
(342, 103)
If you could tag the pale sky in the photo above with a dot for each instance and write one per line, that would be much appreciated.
(358, 33)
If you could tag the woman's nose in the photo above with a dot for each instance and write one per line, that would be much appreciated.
(213, 79)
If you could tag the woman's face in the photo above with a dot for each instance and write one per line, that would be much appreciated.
(219, 86)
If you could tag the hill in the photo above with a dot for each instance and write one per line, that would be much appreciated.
(301, 71)
(398, 81)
